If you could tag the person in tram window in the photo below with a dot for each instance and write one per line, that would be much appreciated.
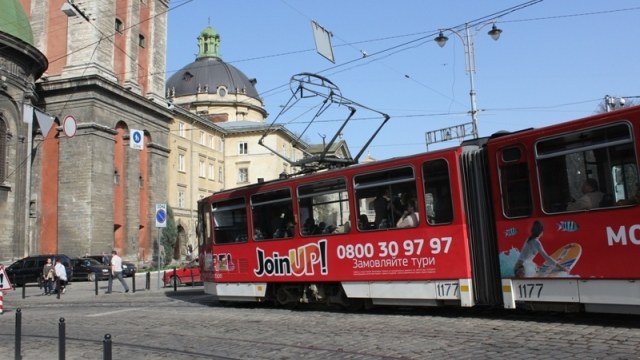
(591, 198)
(525, 267)
(634, 200)
(363, 222)
(382, 207)
(410, 217)
(309, 226)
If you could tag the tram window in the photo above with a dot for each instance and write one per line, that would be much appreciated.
(516, 190)
(230, 221)
(324, 207)
(381, 197)
(272, 215)
(203, 227)
(587, 169)
(437, 189)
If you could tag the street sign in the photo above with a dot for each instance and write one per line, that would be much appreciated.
(161, 215)
(136, 140)
(69, 126)
(5, 284)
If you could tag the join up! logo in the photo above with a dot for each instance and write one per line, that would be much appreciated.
(303, 260)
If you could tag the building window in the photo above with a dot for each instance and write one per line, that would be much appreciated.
(243, 175)
(119, 26)
(219, 144)
(202, 138)
(181, 129)
(201, 169)
(181, 163)
(141, 41)
(211, 141)
(243, 148)
(222, 91)
(3, 147)
(220, 173)
(181, 199)
(212, 170)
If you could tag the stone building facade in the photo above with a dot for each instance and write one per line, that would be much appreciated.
(87, 190)
(21, 63)
(219, 118)
(92, 192)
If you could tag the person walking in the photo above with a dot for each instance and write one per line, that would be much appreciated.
(61, 277)
(116, 271)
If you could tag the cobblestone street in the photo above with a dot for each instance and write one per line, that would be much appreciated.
(187, 324)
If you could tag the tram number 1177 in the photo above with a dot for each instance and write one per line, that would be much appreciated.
(448, 289)
(530, 291)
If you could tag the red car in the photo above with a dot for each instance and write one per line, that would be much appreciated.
(187, 274)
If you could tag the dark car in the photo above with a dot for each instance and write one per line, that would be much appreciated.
(128, 268)
(187, 274)
(29, 269)
(89, 269)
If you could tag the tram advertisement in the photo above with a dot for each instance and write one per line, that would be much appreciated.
(575, 246)
(435, 257)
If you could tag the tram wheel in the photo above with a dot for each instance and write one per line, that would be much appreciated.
(282, 296)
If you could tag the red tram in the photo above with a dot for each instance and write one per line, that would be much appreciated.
(448, 227)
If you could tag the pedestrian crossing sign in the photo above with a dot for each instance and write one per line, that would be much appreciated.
(5, 284)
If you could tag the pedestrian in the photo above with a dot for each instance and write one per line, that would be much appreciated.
(48, 275)
(61, 277)
(116, 271)
(105, 259)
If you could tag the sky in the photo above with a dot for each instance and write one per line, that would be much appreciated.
(555, 61)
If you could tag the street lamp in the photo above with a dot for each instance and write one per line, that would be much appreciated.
(467, 41)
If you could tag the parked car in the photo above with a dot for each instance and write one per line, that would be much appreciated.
(187, 274)
(128, 268)
(89, 269)
(29, 269)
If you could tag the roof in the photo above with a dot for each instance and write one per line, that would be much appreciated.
(14, 21)
(209, 72)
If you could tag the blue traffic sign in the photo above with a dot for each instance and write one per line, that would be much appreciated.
(161, 215)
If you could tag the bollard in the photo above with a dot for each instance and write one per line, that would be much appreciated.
(192, 282)
(95, 280)
(24, 291)
(133, 282)
(1, 302)
(61, 339)
(148, 284)
(175, 279)
(18, 345)
(106, 347)
(58, 289)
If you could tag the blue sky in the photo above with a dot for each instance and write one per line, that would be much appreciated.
(555, 60)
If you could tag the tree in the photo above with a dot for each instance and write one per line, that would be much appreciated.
(169, 235)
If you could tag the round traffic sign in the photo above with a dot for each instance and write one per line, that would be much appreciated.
(137, 137)
(69, 126)
(161, 216)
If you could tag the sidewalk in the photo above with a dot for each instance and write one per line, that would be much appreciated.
(79, 291)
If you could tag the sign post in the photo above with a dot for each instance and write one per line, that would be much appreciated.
(161, 222)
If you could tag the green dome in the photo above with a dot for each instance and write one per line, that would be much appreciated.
(14, 21)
